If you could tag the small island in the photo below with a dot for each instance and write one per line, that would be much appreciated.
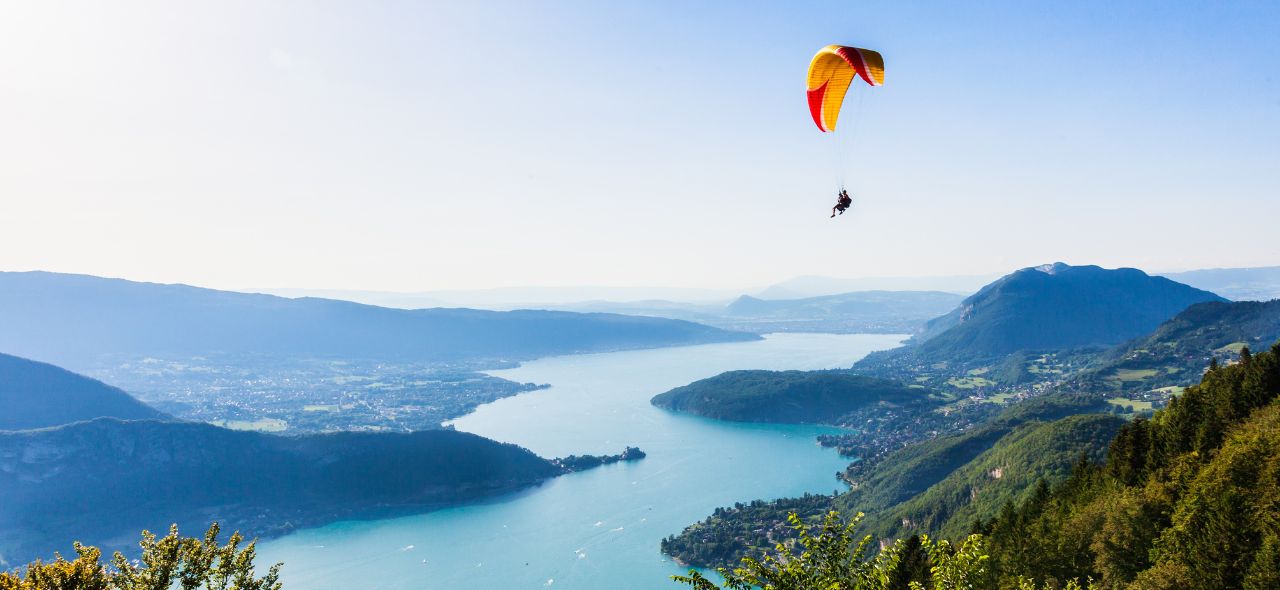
(574, 463)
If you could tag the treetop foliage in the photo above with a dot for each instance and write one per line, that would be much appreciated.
(835, 558)
(167, 562)
(1187, 499)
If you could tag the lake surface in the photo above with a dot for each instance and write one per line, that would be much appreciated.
(597, 529)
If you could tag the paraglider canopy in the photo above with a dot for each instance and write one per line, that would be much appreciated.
(830, 74)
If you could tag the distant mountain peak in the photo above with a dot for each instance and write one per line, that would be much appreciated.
(1052, 307)
(1053, 268)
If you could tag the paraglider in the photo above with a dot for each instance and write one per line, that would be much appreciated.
(831, 72)
(843, 200)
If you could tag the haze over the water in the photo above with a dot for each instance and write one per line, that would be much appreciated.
(426, 146)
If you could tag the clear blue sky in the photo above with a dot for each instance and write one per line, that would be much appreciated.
(416, 146)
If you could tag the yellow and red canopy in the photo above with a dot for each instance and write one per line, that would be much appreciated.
(830, 74)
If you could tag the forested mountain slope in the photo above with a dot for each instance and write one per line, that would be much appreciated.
(913, 469)
(1009, 471)
(1177, 353)
(794, 397)
(104, 480)
(1187, 499)
(941, 483)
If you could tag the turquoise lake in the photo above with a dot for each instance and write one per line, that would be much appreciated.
(597, 529)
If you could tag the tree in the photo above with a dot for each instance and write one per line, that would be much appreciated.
(82, 573)
(913, 566)
(168, 562)
(834, 559)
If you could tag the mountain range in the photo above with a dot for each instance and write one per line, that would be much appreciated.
(858, 311)
(1049, 308)
(855, 312)
(74, 320)
(1046, 308)
(1237, 284)
(1122, 331)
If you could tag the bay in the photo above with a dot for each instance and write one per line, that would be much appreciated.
(597, 529)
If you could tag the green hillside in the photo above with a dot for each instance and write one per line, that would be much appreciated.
(1177, 352)
(1027, 436)
(794, 397)
(1007, 472)
(1187, 499)
(913, 469)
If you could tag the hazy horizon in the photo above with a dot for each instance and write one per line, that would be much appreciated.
(1257, 283)
(586, 292)
(426, 147)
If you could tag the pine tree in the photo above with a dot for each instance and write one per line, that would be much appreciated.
(913, 566)
(1264, 572)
